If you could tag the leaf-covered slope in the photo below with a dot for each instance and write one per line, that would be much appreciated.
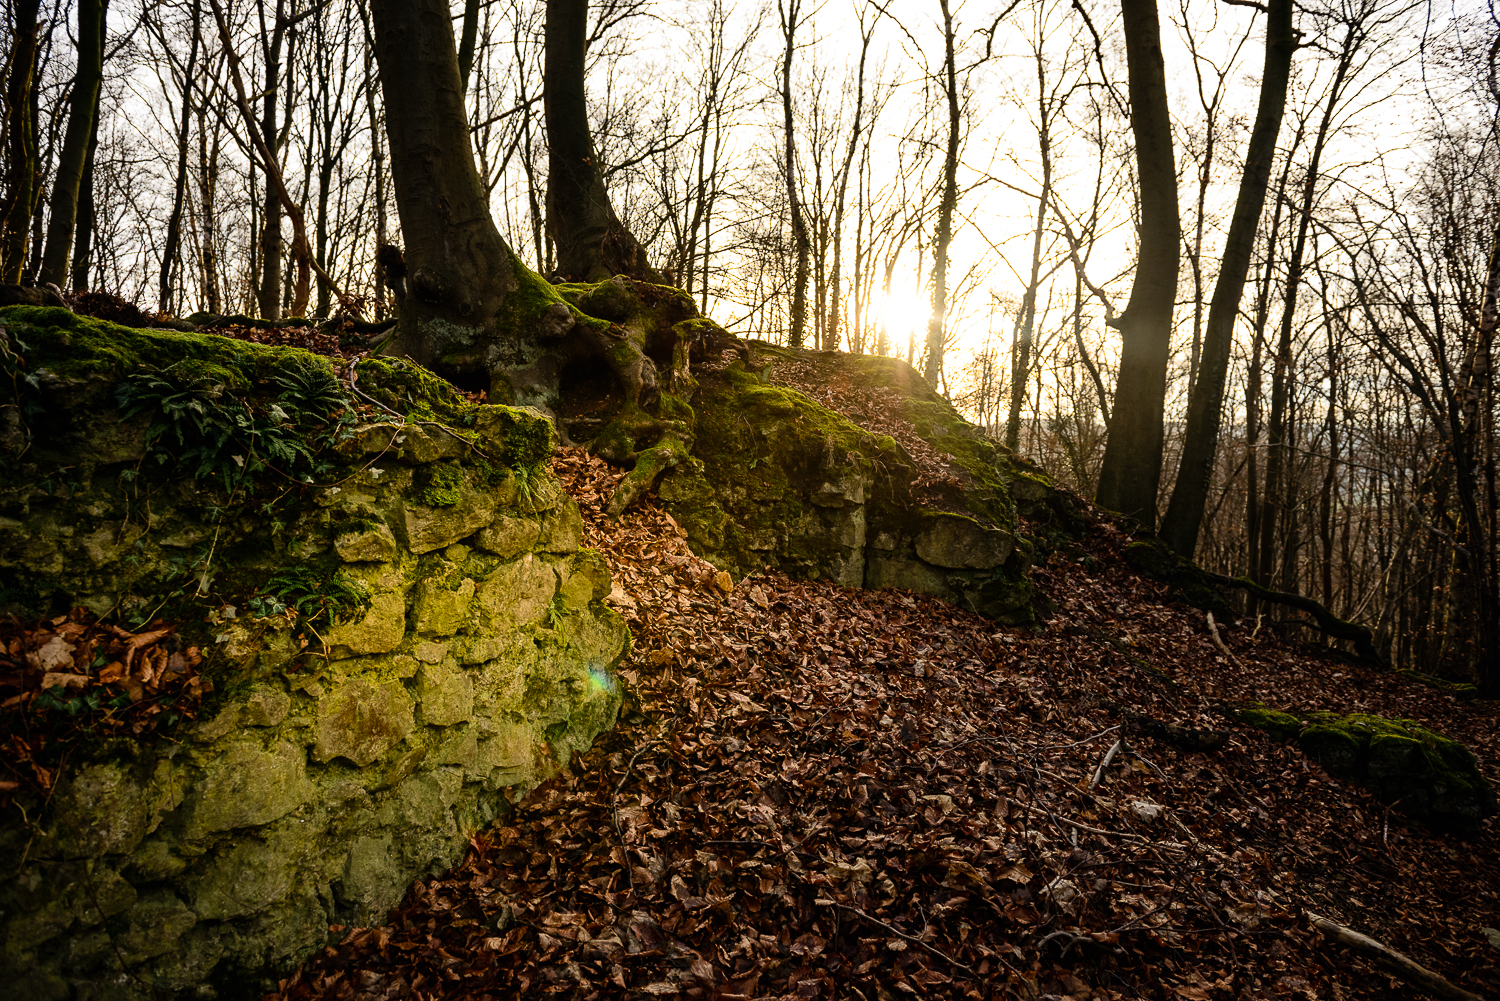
(826, 792)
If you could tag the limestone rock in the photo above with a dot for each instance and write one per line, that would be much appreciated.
(446, 695)
(361, 721)
(440, 611)
(379, 630)
(957, 542)
(514, 595)
(247, 786)
(375, 544)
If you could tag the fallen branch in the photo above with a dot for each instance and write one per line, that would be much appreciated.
(1407, 969)
(1104, 765)
(1213, 631)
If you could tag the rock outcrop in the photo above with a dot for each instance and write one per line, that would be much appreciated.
(470, 658)
(779, 479)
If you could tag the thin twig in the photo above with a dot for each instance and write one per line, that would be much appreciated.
(940, 954)
(614, 808)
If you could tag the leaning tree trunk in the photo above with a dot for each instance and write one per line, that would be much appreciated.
(1131, 472)
(1184, 515)
(83, 108)
(592, 243)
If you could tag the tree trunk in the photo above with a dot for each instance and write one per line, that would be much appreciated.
(592, 243)
(797, 329)
(1184, 517)
(1277, 459)
(937, 325)
(269, 294)
(20, 181)
(170, 250)
(82, 110)
(843, 188)
(461, 271)
(1131, 473)
(466, 43)
(83, 239)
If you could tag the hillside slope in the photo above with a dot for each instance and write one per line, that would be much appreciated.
(828, 792)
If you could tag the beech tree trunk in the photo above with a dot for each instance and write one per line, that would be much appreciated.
(82, 109)
(1184, 516)
(461, 271)
(20, 180)
(172, 249)
(83, 232)
(1131, 472)
(592, 243)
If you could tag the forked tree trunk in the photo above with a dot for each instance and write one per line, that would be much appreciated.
(1131, 473)
(82, 110)
(592, 243)
(1184, 515)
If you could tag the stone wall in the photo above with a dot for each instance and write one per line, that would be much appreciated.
(780, 480)
(329, 775)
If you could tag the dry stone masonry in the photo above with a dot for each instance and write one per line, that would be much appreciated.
(333, 773)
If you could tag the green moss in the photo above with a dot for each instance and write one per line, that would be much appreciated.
(412, 390)
(80, 347)
(441, 485)
(1428, 776)
(1280, 725)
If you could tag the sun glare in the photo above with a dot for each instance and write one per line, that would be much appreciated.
(902, 314)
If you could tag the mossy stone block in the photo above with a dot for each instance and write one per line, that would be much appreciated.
(374, 544)
(957, 543)
(515, 594)
(380, 629)
(362, 720)
(440, 610)
(445, 694)
(248, 786)
(509, 537)
(154, 924)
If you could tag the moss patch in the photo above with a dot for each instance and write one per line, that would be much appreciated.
(1425, 775)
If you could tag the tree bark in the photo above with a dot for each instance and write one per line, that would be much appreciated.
(20, 181)
(937, 325)
(592, 243)
(171, 248)
(797, 329)
(1131, 472)
(461, 271)
(83, 238)
(82, 110)
(1184, 517)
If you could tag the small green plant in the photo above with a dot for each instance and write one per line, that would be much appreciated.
(317, 599)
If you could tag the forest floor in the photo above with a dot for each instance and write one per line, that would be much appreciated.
(818, 792)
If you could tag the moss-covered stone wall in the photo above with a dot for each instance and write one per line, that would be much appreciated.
(779, 479)
(345, 757)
